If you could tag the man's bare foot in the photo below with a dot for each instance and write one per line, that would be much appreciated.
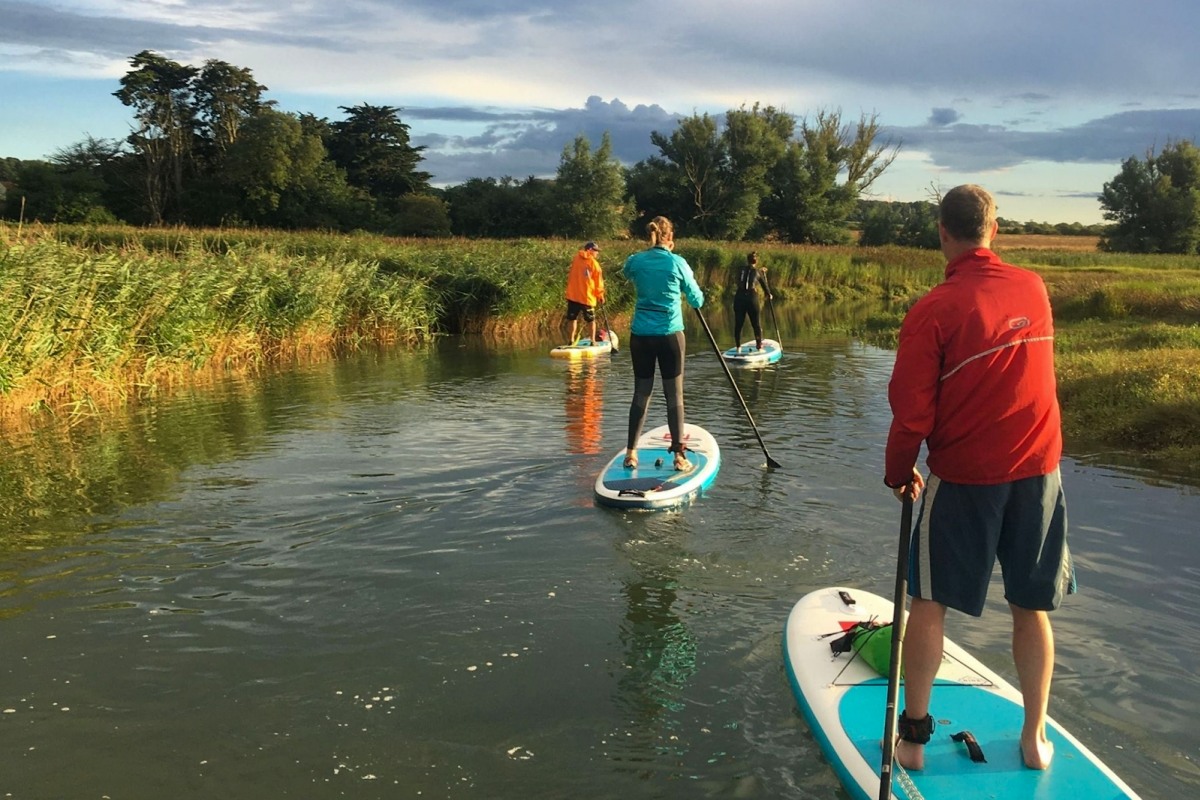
(910, 755)
(1037, 753)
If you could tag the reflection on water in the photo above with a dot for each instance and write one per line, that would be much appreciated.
(583, 406)
(386, 577)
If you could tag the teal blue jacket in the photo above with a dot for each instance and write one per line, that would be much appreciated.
(660, 278)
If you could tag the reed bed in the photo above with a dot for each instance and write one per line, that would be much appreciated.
(89, 327)
(99, 315)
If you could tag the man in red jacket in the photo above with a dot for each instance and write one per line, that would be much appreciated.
(974, 380)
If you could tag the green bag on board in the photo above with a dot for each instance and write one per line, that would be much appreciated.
(873, 644)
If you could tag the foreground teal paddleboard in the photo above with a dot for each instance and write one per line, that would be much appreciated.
(655, 483)
(748, 354)
(844, 701)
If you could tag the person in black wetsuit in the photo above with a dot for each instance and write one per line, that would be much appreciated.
(745, 299)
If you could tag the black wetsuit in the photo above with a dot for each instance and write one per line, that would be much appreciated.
(745, 303)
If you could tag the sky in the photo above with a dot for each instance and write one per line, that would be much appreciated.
(1040, 101)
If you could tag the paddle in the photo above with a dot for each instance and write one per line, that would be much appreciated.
(608, 328)
(774, 318)
(898, 622)
(716, 349)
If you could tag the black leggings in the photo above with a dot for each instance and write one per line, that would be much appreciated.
(745, 306)
(666, 353)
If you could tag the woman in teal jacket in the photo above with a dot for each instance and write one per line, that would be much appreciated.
(660, 278)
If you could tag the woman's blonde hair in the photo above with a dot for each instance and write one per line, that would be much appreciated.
(660, 230)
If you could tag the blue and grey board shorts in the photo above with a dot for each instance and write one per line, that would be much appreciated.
(963, 529)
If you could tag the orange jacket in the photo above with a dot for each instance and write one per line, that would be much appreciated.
(585, 280)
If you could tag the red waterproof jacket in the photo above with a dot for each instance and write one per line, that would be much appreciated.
(974, 378)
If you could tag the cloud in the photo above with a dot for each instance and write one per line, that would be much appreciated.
(530, 142)
(943, 116)
(488, 87)
(1110, 139)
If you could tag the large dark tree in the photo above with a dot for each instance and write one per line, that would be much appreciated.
(160, 93)
(372, 146)
(225, 97)
(1155, 203)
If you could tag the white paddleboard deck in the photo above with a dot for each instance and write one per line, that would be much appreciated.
(586, 348)
(844, 701)
(747, 354)
(655, 483)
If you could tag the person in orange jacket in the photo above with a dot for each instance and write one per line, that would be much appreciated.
(585, 288)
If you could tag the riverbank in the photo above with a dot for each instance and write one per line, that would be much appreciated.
(100, 317)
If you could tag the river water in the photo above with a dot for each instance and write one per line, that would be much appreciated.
(385, 576)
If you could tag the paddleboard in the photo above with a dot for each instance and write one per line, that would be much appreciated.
(845, 701)
(586, 348)
(747, 354)
(655, 483)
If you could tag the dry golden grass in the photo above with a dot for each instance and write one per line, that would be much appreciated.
(1046, 241)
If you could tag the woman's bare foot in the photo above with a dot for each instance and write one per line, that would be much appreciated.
(681, 462)
(630, 459)
(910, 755)
(1037, 752)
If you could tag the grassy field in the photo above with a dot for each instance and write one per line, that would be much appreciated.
(98, 317)
(1045, 241)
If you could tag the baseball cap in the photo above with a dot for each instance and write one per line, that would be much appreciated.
(591, 246)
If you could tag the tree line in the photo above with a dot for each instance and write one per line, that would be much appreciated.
(208, 149)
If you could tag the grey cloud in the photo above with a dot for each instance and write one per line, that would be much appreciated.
(530, 142)
(1108, 139)
(55, 29)
(943, 116)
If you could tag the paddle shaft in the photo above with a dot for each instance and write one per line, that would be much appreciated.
(898, 623)
(608, 328)
(716, 349)
(774, 318)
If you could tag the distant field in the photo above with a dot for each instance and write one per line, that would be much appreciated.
(1045, 241)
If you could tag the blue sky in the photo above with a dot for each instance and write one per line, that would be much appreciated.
(1038, 101)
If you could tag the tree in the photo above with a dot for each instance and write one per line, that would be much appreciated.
(225, 96)
(694, 150)
(905, 224)
(755, 176)
(372, 146)
(271, 157)
(159, 91)
(421, 215)
(476, 207)
(94, 169)
(1155, 203)
(505, 208)
(591, 192)
(755, 140)
(822, 174)
(659, 189)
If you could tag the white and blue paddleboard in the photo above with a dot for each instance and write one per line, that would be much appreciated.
(655, 483)
(845, 701)
(586, 348)
(747, 354)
